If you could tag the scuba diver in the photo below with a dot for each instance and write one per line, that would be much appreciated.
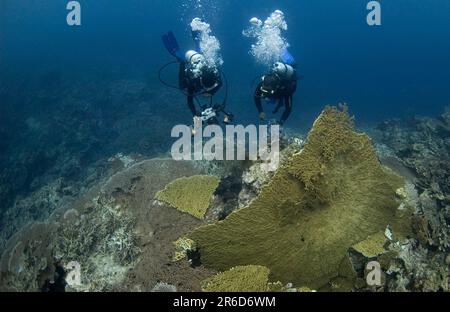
(196, 77)
(278, 87)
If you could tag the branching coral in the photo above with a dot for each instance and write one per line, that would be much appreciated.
(328, 198)
(102, 240)
(104, 229)
(191, 195)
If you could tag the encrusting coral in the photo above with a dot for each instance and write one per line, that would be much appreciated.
(328, 197)
(191, 195)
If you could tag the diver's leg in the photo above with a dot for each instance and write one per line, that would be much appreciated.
(287, 57)
(182, 79)
(258, 103)
(288, 103)
(279, 105)
(171, 44)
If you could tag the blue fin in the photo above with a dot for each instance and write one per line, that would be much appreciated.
(171, 44)
(287, 58)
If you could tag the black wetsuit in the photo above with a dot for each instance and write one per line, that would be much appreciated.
(197, 86)
(283, 96)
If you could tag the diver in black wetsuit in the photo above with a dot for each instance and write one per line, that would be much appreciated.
(279, 87)
(197, 78)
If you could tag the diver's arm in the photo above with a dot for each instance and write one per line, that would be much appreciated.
(217, 88)
(288, 104)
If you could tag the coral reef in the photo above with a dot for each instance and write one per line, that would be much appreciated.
(27, 263)
(116, 233)
(55, 195)
(423, 146)
(102, 240)
(328, 197)
(38, 206)
(419, 149)
(314, 224)
(191, 195)
(58, 127)
(98, 236)
(417, 269)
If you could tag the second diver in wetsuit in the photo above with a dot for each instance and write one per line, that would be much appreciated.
(278, 87)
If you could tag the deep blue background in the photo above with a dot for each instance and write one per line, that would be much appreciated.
(396, 70)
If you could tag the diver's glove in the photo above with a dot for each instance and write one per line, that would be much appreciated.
(228, 118)
(262, 116)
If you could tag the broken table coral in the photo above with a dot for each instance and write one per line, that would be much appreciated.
(191, 195)
(250, 278)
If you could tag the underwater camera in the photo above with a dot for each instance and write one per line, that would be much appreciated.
(212, 115)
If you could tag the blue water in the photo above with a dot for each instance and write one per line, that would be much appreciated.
(396, 70)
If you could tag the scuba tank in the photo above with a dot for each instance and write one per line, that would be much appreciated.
(196, 63)
(207, 77)
(284, 71)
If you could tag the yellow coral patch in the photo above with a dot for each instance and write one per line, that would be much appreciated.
(250, 278)
(373, 246)
(191, 195)
(182, 247)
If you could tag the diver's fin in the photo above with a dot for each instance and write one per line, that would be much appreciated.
(171, 44)
(287, 58)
